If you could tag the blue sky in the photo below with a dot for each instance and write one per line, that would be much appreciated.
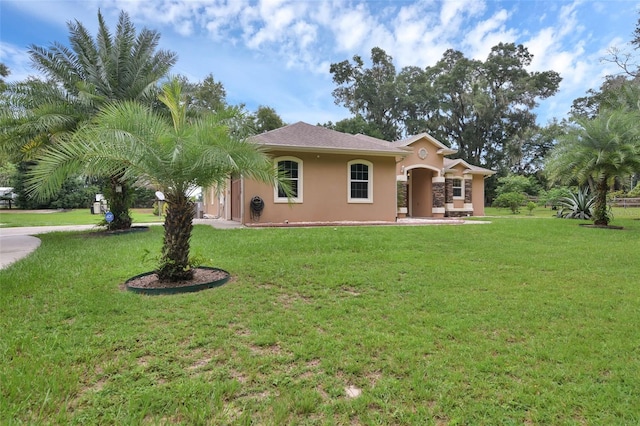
(278, 52)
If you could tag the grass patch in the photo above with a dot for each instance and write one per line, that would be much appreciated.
(518, 321)
(618, 212)
(13, 218)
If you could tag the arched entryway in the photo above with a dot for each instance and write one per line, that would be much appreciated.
(420, 192)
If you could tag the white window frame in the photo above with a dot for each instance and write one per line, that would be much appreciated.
(299, 198)
(369, 181)
(461, 181)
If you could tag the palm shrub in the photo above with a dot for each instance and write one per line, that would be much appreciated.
(81, 78)
(175, 155)
(595, 152)
(577, 205)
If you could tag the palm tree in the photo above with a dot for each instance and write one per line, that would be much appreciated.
(35, 114)
(175, 155)
(595, 152)
(86, 75)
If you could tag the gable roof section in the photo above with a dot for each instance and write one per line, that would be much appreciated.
(442, 148)
(303, 137)
(473, 170)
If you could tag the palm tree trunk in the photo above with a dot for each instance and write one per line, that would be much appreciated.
(118, 197)
(178, 224)
(600, 216)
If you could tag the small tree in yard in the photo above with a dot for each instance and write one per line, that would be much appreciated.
(517, 183)
(510, 200)
(175, 155)
(553, 196)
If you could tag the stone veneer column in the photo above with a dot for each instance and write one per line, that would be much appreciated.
(402, 186)
(468, 192)
(438, 188)
(448, 192)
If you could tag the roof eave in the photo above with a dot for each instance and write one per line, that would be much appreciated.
(480, 172)
(328, 150)
(447, 151)
(484, 172)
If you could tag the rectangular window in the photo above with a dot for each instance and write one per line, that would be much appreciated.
(360, 190)
(457, 188)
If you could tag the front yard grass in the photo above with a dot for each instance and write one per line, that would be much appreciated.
(618, 212)
(526, 321)
(13, 217)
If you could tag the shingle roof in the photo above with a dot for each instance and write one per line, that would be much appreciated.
(301, 136)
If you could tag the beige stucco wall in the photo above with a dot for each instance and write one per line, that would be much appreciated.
(325, 189)
(432, 160)
(478, 195)
(324, 192)
(213, 202)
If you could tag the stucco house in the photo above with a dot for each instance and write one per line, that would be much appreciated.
(342, 177)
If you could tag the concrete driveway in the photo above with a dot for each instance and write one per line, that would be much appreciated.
(16, 243)
(19, 242)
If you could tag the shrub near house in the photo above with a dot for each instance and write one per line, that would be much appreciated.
(510, 200)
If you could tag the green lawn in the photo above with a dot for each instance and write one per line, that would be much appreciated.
(618, 212)
(521, 321)
(13, 218)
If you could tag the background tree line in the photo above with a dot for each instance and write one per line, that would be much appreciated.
(482, 108)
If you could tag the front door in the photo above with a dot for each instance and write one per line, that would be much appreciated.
(420, 193)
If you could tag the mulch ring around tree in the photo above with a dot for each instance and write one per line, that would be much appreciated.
(108, 233)
(203, 278)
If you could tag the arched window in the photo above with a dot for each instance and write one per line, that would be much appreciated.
(291, 167)
(360, 181)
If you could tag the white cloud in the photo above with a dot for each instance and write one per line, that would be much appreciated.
(416, 35)
(568, 20)
(352, 28)
(300, 38)
(274, 18)
(184, 28)
(453, 11)
(17, 60)
(305, 33)
(489, 33)
(222, 15)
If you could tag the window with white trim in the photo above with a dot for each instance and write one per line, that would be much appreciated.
(291, 168)
(360, 180)
(458, 188)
